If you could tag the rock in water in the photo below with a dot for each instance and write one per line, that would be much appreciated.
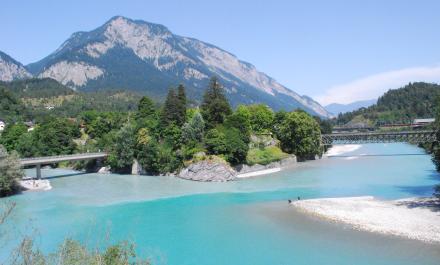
(208, 171)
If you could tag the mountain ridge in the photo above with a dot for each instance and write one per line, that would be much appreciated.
(146, 57)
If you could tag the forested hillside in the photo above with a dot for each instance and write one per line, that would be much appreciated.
(415, 100)
(33, 99)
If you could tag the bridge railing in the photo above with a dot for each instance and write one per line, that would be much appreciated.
(379, 137)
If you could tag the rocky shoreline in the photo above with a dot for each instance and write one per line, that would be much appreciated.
(220, 171)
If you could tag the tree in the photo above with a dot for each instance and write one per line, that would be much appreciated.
(215, 107)
(193, 130)
(122, 153)
(158, 158)
(11, 135)
(55, 137)
(227, 142)
(171, 110)
(146, 108)
(240, 120)
(299, 134)
(181, 96)
(10, 172)
(262, 118)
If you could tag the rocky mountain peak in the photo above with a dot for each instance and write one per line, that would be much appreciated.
(148, 58)
(10, 69)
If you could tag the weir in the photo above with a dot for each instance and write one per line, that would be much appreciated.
(38, 161)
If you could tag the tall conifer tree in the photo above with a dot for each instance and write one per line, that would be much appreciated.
(215, 107)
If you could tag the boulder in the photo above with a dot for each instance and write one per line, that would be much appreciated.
(208, 170)
(104, 170)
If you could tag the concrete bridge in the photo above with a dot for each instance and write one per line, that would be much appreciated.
(38, 161)
(415, 137)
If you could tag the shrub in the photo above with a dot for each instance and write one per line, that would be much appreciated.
(10, 172)
(265, 156)
(299, 134)
(227, 142)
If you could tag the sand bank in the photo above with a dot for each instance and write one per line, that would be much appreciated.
(414, 218)
(36, 184)
(259, 172)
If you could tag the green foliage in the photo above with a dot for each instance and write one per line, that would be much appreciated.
(299, 134)
(72, 252)
(193, 130)
(158, 158)
(99, 123)
(10, 172)
(240, 120)
(11, 135)
(55, 137)
(122, 152)
(325, 125)
(227, 142)
(215, 107)
(264, 156)
(146, 108)
(403, 105)
(174, 108)
(11, 108)
(261, 118)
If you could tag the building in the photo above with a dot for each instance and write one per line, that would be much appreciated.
(2, 125)
(422, 122)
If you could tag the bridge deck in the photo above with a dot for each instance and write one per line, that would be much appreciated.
(56, 159)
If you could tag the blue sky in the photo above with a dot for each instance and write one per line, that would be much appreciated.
(334, 51)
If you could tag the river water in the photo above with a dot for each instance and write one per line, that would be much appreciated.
(174, 221)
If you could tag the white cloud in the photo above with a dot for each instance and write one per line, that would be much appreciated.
(373, 86)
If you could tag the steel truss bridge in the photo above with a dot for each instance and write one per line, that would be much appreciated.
(414, 137)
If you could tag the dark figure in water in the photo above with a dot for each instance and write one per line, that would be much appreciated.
(299, 198)
(290, 201)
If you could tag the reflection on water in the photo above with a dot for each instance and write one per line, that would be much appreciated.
(242, 222)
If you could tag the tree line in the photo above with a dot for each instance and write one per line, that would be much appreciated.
(163, 138)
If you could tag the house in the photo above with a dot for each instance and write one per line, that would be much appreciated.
(30, 125)
(422, 122)
(2, 125)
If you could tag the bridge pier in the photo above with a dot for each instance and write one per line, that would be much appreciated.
(38, 167)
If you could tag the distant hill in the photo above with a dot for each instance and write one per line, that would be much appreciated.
(35, 98)
(148, 58)
(415, 100)
(336, 108)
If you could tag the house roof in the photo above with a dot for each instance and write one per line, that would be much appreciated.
(424, 120)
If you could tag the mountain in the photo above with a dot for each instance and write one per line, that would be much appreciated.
(10, 69)
(336, 108)
(402, 105)
(148, 58)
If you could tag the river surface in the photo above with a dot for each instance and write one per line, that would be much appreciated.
(174, 221)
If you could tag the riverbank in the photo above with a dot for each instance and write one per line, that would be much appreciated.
(414, 218)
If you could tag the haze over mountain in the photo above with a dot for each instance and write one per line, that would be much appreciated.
(336, 108)
(10, 69)
(148, 58)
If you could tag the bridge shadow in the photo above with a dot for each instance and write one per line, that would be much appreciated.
(65, 175)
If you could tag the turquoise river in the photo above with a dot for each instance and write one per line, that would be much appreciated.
(248, 221)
